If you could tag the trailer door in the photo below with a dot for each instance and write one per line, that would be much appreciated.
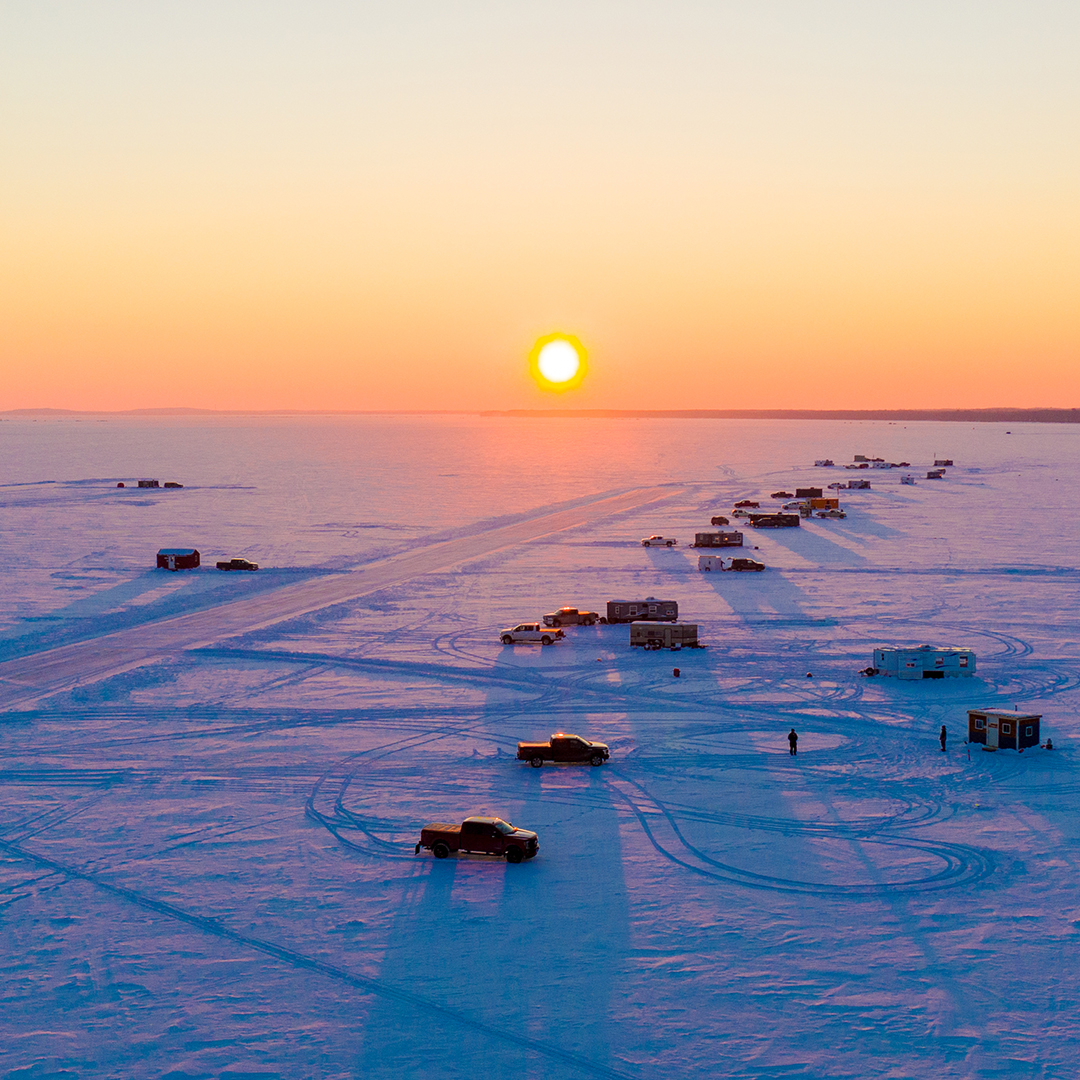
(992, 731)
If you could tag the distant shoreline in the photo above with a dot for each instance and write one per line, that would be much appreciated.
(1006, 416)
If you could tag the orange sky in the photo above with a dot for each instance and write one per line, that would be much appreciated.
(833, 205)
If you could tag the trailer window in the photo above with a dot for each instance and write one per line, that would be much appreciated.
(1006, 729)
(939, 661)
(963, 661)
(1028, 731)
(980, 723)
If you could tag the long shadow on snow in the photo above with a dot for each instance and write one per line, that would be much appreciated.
(534, 949)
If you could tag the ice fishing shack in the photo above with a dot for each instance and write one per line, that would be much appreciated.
(924, 662)
(1003, 729)
(177, 559)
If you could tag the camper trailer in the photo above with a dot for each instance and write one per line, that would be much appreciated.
(1003, 729)
(924, 662)
(654, 635)
(774, 521)
(622, 611)
(724, 538)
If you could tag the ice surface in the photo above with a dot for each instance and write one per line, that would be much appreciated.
(206, 863)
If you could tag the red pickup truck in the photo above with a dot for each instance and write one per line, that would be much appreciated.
(563, 747)
(481, 835)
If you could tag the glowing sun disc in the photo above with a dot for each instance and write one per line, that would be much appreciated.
(558, 362)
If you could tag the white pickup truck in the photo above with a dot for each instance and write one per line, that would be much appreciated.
(658, 541)
(530, 631)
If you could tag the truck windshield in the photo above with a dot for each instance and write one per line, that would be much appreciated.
(504, 827)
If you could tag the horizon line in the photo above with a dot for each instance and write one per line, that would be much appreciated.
(990, 415)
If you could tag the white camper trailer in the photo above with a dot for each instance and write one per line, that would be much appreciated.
(924, 662)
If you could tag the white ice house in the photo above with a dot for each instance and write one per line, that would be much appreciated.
(924, 662)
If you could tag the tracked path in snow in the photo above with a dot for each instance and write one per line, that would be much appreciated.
(28, 679)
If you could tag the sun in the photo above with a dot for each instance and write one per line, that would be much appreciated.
(558, 362)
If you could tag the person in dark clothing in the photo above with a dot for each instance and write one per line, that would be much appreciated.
(942, 737)
(793, 742)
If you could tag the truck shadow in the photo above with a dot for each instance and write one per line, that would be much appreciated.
(532, 950)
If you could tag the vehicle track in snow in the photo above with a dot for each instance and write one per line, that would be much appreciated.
(301, 961)
(662, 823)
(30, 678)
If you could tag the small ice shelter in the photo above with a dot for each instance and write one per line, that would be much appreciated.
(177, 559)
(1003, 729)
(924, 662)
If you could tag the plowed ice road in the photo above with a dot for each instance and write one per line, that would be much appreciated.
(25, 680)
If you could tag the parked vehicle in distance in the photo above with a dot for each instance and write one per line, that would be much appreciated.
(659, 541)
(782, 495)
(719, 520)
(833, 513)
(746, 564)
(623, 611)
(529, 631)
(481, 835)
(238, 564)
(563, 748)
(935, 474)
(656, 635)
(746, 504)
(908, 479)
(824, 463)
(740, 513)
(570, 616)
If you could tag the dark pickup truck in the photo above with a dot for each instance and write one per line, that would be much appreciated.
(570, 616)
(481, 835)
(563, 747)
(237, 564)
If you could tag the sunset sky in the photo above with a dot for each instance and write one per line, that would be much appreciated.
(350, 205)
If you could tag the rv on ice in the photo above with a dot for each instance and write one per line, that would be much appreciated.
(652, 635)
(620, 611)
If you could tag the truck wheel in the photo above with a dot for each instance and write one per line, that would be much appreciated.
(669, 543)
(440, 850)
(546, 639)
(596, 759)
(556, 622)
(507, 639)
(513, 855)
(536, 761)
(603, 620)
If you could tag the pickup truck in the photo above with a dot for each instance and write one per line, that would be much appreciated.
(237, 564)
(563, 747)
(481, 835)
(658, 541)
(570, 616)
(529, 631)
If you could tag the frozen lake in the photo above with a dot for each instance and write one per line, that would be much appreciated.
(206, 861)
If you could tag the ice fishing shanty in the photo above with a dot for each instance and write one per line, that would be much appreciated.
(177, 559)
(1003, 729)
(924, 662)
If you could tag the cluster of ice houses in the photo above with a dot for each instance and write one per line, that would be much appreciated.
(994, 729)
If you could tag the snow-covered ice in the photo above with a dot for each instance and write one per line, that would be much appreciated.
(206, 863)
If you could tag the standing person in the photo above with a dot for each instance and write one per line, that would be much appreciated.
(942, 737)
(793, 742)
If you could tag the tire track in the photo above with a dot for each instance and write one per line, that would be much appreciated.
(29, 678)
(300, 961)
